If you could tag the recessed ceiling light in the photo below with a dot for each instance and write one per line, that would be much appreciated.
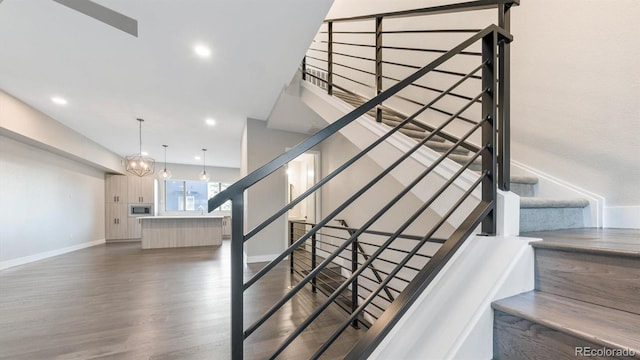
(202, 51)
(58, 100)
(210, 121)
(197, 157)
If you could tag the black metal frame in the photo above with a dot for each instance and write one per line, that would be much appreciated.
(494, 151)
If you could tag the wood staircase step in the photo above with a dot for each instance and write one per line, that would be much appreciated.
(538, 325)
(603, 273)
(524, 185)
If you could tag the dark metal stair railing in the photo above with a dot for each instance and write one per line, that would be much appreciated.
(301, 264)
(331, 63)
(483, 211)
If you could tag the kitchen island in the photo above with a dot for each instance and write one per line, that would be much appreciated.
(180, 231)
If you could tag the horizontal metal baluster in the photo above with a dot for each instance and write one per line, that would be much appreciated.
(321, 308)
(371, 296)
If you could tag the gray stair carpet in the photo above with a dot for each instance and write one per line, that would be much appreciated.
(536, 214)
(413, 129)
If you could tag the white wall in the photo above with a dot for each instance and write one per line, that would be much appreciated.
(335, 152)
(48, 204)
(268, 195)
(575, 91)
(24, 123)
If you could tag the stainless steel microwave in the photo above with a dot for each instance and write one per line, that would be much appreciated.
(140, 210)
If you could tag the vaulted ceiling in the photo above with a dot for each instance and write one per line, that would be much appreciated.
(109, 78)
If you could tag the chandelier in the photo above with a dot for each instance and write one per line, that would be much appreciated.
(138, 164)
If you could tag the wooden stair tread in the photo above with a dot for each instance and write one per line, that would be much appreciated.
(598, 324)
(623, 242)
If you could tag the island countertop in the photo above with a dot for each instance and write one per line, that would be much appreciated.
(165, 217)
(172, 231)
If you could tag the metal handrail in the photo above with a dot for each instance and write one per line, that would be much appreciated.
(306, 145)
(433, 10)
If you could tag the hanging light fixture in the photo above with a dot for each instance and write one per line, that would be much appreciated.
(203, 175)
(138, 164)
(165, 174)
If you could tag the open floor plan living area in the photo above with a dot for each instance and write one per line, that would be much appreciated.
(336, 179)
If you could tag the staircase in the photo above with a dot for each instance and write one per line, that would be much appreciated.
(382, 288)
(536, 213)
(586, 301)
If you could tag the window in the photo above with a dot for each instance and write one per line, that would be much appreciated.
(185, 195)
(214, 189)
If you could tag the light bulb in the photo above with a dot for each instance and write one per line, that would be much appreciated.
(165, 174)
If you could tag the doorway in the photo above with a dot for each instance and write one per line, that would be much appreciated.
(302, 174)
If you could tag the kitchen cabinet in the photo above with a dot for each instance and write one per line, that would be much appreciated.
(116, 222)
(120, 191)
(226, 226)
(116, 189)
(140, 189)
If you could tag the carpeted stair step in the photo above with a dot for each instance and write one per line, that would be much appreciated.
(394, 122)
(385, 116)
(444, 147)
(538, 325)
(476, 165)
(538, 214)
(524, 185)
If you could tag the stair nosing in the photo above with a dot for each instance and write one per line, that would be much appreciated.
(534, 202)
(583, 248)
(557, 326)
(523, 179)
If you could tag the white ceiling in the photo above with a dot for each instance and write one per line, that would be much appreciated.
(110, 78)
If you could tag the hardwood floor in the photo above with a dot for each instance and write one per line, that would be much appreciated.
(118, 301)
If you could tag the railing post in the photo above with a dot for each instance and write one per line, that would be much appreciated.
(291, 241)
(237, 276)
(378, 65)
(354, 284)
(489, 107)
(504, 92)
(314, 244)
(330, 58)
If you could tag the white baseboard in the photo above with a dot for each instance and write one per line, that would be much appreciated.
(47, 254)
(622, 217)
(261, 258)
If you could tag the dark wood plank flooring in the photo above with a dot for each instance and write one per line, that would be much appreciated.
(120, 302)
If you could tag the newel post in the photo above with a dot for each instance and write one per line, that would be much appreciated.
(489, 108)
(237, 276)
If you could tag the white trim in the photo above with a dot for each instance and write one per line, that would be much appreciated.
(550, 184)
(47, 254)
(623, 217)
(458, 302)
(262, 258)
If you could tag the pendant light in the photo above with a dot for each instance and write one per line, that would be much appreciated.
(203, 175)
(138, 164)
(165, 174)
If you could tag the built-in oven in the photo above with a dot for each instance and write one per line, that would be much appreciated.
(140, 209)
